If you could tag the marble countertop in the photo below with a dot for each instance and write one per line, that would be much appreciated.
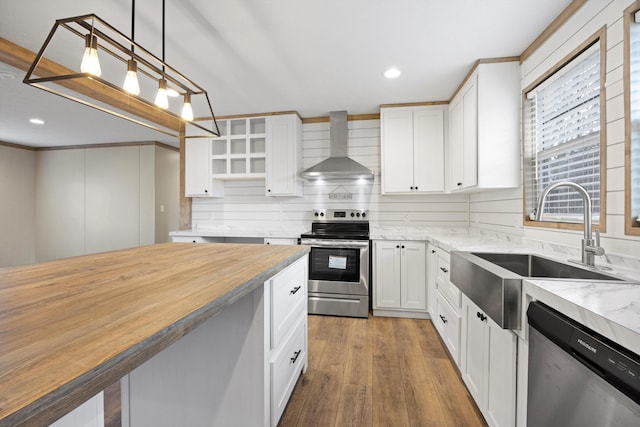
(611, 309)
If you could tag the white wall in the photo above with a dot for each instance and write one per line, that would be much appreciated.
(17, 206)
(503, 210)
(245, 202)
(99, 199)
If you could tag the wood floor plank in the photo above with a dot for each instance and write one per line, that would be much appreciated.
(359, 361)
(355, 409)
(389, 408)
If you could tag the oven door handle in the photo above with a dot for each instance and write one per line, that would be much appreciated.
(337, 243)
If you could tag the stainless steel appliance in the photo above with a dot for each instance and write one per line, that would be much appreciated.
(576, 376)
(339, 262)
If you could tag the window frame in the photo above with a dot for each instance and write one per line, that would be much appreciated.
(599, 37)
(631, 227)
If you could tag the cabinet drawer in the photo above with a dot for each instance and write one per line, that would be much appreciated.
(288, 299)
(448, 289)
(186, 239)
(286, 365)
(447, 322)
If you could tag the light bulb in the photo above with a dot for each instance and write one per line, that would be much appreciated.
(187, 111)
(90, 63)
(161, 97)
(131, 81)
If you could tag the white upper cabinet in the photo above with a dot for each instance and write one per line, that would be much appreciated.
(413, 149)
(483, 127)
(283, 155)
(198, 180)
(239, 152)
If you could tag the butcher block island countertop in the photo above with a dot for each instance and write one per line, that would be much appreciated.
(70, 328)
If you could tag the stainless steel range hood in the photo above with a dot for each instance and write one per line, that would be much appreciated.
(338, 165)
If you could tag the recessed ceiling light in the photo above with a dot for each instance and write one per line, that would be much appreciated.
(36, 121)
(7, 75)
(392, 73)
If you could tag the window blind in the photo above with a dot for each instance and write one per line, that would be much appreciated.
(562, 138)
(634, 76)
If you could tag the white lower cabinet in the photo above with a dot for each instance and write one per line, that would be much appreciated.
(400, 277)
(488, 365)
(286, 334)
(447, 323)
(286, 364)
(432, 268)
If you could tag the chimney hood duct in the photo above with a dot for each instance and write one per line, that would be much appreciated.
(338, 165)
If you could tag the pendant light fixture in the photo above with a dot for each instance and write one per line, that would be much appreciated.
(54, 72)
(131, 84)
(90, 62)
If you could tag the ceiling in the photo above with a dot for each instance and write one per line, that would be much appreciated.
(256, 56)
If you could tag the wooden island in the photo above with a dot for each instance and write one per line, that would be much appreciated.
(70, 328)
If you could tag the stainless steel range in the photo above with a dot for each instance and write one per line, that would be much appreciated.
(339, 262)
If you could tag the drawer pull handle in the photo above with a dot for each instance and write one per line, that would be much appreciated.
(444, 270)
(444, 319)
(481, 316)
(294, 290)
(295, 356)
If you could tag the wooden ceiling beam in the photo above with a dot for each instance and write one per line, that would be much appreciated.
(21, 58)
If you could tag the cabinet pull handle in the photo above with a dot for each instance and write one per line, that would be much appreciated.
(459, 184)
(444, 270)
(206, 191)
(411, 188)
(444, 319)
(481, 316)
(433, 251)
(295, 356)
(294, 290)
(416, 187)
(402, 246)
(269, 190)
(397, 246)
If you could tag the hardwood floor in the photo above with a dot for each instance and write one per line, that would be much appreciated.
(378, 372)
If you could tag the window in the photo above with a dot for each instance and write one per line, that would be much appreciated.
(632, 118)
(564, 139)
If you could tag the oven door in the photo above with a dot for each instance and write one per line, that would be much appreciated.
(338, 267)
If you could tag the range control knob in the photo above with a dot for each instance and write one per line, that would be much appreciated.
(352, 214)
(321, 213)
(358, 214)
(316, 214)
(364, 214)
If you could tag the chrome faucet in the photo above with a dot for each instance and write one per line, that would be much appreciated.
(590, 247)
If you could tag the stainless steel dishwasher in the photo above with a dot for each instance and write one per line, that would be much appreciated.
(578, 377)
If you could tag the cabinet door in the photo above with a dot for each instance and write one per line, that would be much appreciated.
(198, 181)
(413, 276)
(397, 150)
(432, 273)
(474, 350)
(387, 274)
(456, 141)
(283, 136)
(470, 133)
(428, 150)
(501, 376)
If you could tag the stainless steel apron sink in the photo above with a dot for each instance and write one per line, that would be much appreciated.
(493, 281)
